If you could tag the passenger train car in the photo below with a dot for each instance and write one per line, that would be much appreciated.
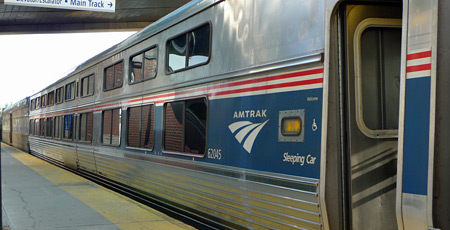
(293, 114)
(14, 125)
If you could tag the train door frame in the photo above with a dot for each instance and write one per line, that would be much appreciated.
(418, 102)
(344, 93)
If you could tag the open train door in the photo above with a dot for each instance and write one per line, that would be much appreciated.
(365, 62)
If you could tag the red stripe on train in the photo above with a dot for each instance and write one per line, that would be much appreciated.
(268, 87)
(414, 56)
(232, 84)
(416, 68)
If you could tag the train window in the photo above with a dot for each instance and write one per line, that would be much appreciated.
(42, 127)
(38, 103)
(59, 95)
(68, 127)
(143, 66)
(113, 76)
(111, 127)
(86, 126)
(33, 104)
(70, 91)
(51, 98)
(189, 49)
(31, 127)
(58, 125)
(377, 71)
(87, 86)
(36, 127)
(43, 101)
(49, 129)
(141, 126)
(185, 126)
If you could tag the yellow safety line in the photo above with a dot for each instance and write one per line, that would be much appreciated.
(120, 210)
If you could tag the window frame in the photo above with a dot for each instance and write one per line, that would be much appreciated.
(60, 120)
(73, 91)
(91, 113)
(81, 85)
(63, 127)
(186, 32)
(38, 102)
(61, 96)
(153, 109)
(163, 130)
(31, 128)
(43, 100)
(42, 127)
(114, 74)
(33, 104)
(112, 120)
(362, 26)
(142, 52)
(48, 98)
(47, 127)
(36, 127)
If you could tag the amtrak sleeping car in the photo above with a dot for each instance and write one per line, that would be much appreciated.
(280, 114)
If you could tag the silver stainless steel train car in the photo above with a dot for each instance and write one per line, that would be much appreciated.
(284, 114)
(15, 125)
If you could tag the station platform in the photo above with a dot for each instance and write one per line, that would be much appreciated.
(39, 195)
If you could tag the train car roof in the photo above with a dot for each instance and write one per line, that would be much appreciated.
(165, 22)
(20, 104)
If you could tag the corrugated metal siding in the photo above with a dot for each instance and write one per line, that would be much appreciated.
(247, 203)
(62, 152)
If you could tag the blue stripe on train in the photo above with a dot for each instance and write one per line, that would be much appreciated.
(416, 137)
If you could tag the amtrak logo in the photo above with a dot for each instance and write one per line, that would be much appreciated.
(245, 128)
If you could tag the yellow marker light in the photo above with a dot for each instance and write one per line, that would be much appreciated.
(291, 126)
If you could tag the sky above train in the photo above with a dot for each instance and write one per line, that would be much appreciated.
(29, 63)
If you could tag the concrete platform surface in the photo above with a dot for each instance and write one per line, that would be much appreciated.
(39, 195)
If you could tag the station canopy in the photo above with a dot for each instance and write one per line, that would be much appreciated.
(129, 15)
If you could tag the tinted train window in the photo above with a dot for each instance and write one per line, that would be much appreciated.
(36, 127)
(70, 91)
(38, 103)
(86, 126)
(59, 95)
(111, 127)
(87, 86)
(68, 127)
(185, 126)
(141, 126)
(113, 76)
(49, 129)
(33, 104)
(31, 127)
(143, 66)
(42, 127)
(189, 49)
(51, 98)
(58, 125)
(43, 101)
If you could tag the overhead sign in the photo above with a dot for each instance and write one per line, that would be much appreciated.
(89, 5)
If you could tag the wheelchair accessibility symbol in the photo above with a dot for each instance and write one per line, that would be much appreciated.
(314, 125)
